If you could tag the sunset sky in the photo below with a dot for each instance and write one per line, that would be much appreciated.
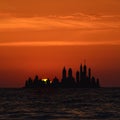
(42, 36)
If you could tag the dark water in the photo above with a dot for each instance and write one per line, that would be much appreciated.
(60, 104)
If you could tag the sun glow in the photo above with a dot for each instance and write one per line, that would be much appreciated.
(45, 80)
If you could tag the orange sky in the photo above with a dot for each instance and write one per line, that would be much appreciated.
(42, 36)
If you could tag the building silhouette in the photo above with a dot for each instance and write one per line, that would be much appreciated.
(77, 77)
(84, 79)
(64, 78)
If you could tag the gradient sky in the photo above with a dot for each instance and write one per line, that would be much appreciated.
(42, 36)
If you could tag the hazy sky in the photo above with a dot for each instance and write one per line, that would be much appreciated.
(42, 36)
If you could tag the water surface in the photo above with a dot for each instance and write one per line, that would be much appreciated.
(60, 104)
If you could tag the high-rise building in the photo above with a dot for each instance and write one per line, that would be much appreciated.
(81, 73)
(89, 73)
(64, 77)
(85, 72)
(70, 73)
(70, 79)
(77, 76)
(64, 73)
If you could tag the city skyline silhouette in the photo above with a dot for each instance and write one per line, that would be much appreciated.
(83, 79)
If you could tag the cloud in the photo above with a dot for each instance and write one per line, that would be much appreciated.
(77, 21)
(58, 43)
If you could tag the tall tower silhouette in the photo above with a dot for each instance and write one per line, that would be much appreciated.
(89, 73)
(70, 79)
(64, 78)
(81, 73)
(36, 81)
(70, 73)
(64, 73)
(77, 76)
(85, 71)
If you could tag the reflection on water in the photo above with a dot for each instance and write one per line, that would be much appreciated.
(60, 104)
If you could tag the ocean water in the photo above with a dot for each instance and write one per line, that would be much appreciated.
(60, 104)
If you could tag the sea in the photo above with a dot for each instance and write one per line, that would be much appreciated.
(60, 104)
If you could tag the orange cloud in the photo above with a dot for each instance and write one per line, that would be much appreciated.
(77, 21)
(59, 43)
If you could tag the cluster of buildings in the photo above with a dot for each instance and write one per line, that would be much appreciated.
(84, 79)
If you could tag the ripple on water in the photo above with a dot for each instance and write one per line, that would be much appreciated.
(60, 104)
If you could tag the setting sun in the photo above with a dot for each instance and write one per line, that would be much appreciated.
(45, 80)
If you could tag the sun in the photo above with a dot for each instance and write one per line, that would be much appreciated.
(44, 80)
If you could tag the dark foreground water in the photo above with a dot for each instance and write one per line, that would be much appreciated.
(60, 104)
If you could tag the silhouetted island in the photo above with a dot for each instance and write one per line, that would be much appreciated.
(82, 80)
